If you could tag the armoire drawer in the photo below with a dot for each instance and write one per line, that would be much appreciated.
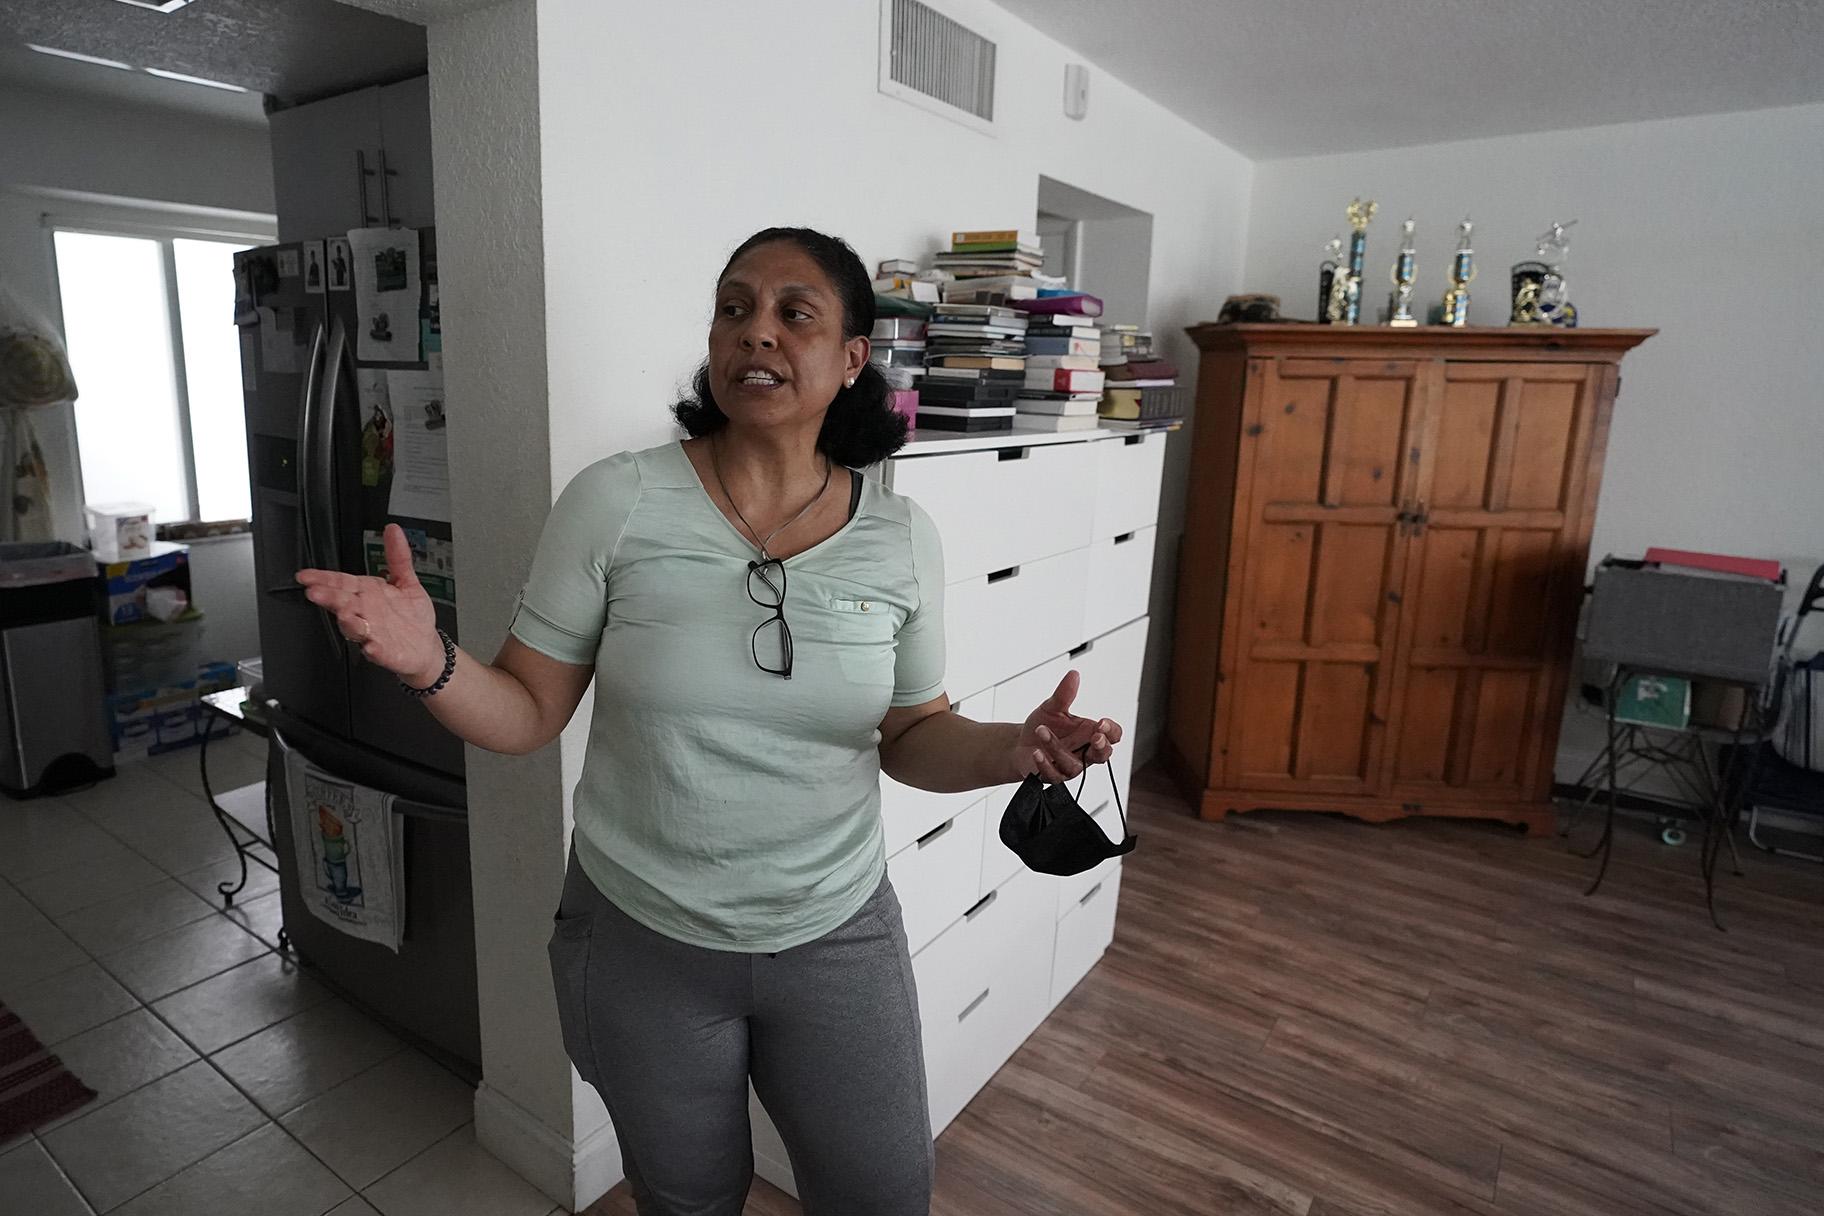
(936, 876)
(1120, 580)
(1005, 506)
(1129, 470)
(907, 812)
(998, 625)
(1084, 932)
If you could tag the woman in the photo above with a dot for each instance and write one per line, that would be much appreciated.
(766, 636)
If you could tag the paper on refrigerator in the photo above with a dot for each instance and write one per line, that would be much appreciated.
(350, 847)
(421, 452)
(387, 294)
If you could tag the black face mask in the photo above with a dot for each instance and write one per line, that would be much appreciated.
(1053, 835)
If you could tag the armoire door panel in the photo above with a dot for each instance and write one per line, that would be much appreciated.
(1526, 565)
(1335, 714)
(1289, 446)
(1266, 715)
(1276, 612)
(1463, 444)
(1446, 573)
(1349, 581)
(1426, 717)
(1333, 448)
(1491, 581)
(1504, 702)
(1363, 456)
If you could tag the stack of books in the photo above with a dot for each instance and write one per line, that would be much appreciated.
(1063, 384)
(1141, 393)
(974, 366)
(898, 342)
(898, 278)
(993, 266)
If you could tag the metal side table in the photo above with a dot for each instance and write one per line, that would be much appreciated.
(245, 813)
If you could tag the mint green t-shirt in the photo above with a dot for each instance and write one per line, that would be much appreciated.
(722, 805)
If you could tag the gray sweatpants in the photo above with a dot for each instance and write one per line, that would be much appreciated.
(669, 1034)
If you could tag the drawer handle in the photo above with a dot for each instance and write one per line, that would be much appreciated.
(1012, 453)
(1131, 440)
(980, 905)
(1003, 575)
(1124, 538)
(1082, 650)
(974, 1005)
(935, 832)
(1091, 895)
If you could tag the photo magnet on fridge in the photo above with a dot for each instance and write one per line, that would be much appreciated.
(314, 274)
(341, 265)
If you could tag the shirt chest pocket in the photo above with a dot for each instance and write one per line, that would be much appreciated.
(861, 632)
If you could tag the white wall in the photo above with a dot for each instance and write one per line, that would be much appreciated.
(675, 131)
(530, 1111)
(1706, 228)
(68, 142)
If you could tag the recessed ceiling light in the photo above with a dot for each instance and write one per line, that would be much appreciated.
(78, 57)
(158, 6)
(202, 80)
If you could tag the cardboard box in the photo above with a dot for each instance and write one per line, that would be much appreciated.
(1717, 705)
(152, 721)
(124, 584)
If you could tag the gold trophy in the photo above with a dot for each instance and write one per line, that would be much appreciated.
(1359, 214)
(1455, 309)
(1405, 267)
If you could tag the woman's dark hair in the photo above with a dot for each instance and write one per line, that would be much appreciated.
(860, 428)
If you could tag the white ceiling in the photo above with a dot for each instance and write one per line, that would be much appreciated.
(291, 50)
(1278, 78)
(138, 90)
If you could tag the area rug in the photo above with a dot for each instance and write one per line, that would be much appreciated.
(35, 1087)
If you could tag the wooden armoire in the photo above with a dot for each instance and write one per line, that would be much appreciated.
(1385, 542)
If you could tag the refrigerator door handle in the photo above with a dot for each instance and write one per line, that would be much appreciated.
(310, 408)
(307, 408)
(322, 503)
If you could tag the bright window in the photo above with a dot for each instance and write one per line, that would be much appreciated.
(150, 324)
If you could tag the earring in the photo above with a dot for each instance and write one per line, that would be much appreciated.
(849, 383)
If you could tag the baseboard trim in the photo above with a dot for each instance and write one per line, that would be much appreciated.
(574, 1175)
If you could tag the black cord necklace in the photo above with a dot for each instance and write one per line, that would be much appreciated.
(715, 466)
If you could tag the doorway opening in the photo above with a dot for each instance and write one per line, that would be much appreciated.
(1101, 246)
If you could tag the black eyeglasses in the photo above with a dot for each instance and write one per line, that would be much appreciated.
(765, 592)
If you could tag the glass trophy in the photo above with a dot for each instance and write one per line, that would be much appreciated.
(1399, 304)
(1330, 275)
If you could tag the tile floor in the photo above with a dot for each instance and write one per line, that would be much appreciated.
(230, 1081)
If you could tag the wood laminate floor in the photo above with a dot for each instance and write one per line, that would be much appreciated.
(1307, 1015)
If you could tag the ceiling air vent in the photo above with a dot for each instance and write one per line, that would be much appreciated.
(932, 61)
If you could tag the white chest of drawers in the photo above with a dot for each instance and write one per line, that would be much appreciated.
(1048, 552)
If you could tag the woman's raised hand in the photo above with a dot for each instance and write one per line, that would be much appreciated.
(1052, 737)
(391, 619)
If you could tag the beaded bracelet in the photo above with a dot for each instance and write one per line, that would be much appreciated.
(449, 669)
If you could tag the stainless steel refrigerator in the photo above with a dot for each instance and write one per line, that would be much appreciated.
(314, 504)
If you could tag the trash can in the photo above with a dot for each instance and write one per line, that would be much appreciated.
(53, 703)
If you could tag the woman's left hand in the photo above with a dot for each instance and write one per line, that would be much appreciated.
(1052, 736)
